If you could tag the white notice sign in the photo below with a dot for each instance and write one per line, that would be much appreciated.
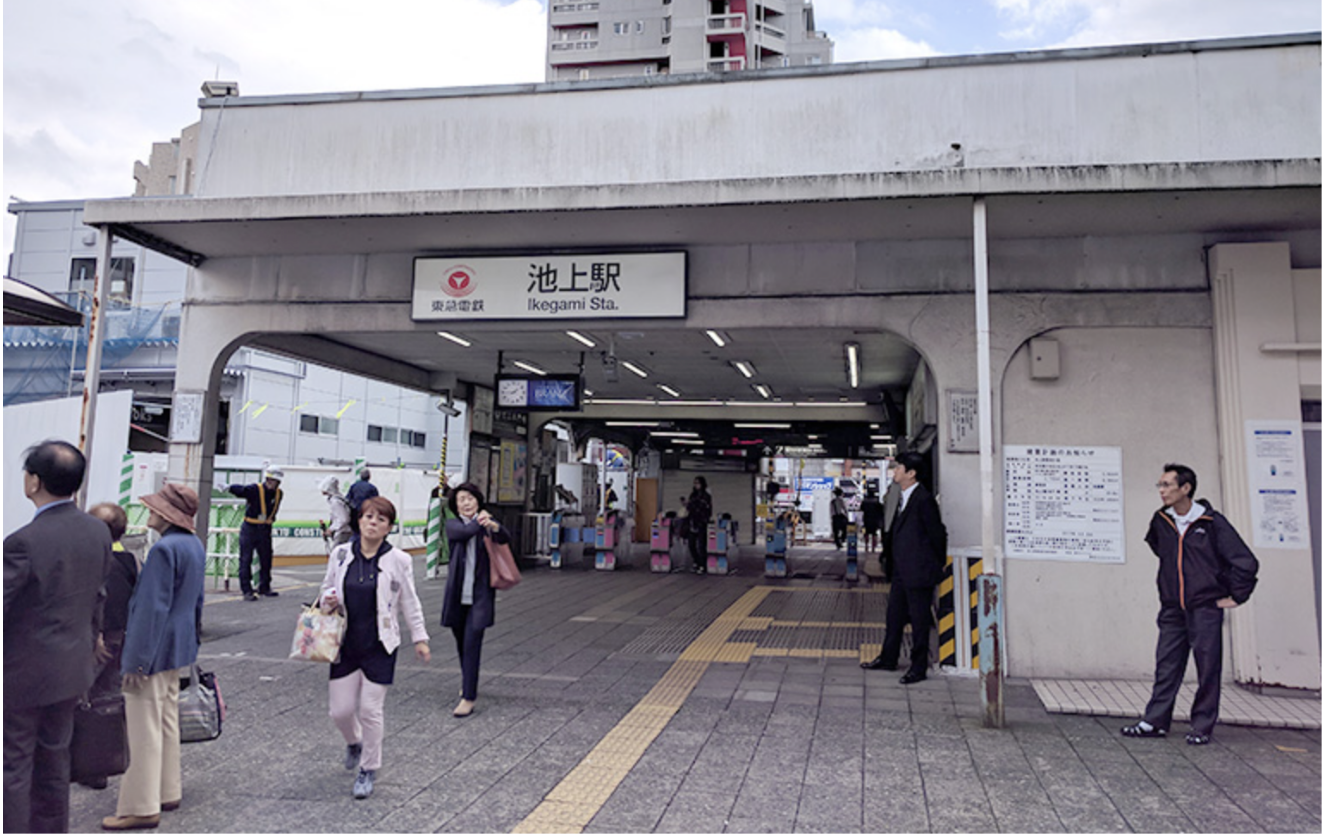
(550, 287)
(1064, 503)
(1277, 485)
(963, 420)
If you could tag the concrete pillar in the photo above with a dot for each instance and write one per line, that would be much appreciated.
(1274, 637)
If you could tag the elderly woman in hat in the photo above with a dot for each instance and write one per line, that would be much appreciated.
(160, 638)
(339, 531)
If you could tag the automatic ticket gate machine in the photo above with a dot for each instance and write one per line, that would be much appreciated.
(568, 539)
(720, 535)
(776, 562)
(851, 552)
(662, 528)
(606, 535)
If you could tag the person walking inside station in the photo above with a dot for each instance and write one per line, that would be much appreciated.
(1204, 567)
(469, 606)
(839, 518)
(255, 532)
(160, 638)
(120, 581)
(918, 539)
(697, 515)
(372, 582)
(55, 566)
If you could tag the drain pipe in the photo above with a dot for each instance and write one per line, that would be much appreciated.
(989, 597)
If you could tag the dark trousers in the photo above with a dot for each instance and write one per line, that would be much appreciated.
(911, 605)
(468, 641)
(254, 537)
(698, 547)
(839, 529)
(37, 766)
(1179, 632)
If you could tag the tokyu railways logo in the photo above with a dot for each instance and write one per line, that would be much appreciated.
(458, 281)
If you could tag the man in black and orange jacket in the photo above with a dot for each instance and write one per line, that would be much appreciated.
(255, 532)
(1205, 568)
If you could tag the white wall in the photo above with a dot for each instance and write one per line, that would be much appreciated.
(1136, 105)
(60, 420)
(1148, 391)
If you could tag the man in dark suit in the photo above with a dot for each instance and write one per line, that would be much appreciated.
(918, 541)
(55, 568)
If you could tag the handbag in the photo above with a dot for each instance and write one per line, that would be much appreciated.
(317, 636)
(100, 744)
(504, 571)
(201, 708)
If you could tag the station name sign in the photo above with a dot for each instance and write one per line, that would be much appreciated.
(550, 287)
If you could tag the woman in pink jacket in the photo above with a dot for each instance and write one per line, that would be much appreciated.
(371, 581)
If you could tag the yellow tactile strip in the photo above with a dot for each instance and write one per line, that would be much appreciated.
(579, 796)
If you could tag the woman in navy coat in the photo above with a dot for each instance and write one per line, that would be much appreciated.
(470, 601)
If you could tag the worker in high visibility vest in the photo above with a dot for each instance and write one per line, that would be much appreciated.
(255, 532)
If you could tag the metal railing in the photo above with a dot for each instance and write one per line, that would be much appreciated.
(726, 64)
(726, 24)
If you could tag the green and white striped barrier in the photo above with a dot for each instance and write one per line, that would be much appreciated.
(126, 479)
(433, 538)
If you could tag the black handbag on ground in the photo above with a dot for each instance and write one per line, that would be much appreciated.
(100, 745)
(201, 709)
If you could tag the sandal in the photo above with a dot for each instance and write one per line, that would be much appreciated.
(1138, 731)
(1197, 738)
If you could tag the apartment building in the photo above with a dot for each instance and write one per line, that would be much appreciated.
(618, 38)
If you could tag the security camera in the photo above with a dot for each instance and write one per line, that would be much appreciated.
(446, 406)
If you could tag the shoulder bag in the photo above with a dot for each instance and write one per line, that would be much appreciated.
(201, 708)
(504, 571)
(100, 745)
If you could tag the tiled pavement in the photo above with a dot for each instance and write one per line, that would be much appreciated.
(1127, 699)
(688, 703)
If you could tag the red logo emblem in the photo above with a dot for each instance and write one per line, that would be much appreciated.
(459, 281)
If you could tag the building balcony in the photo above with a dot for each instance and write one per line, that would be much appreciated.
(573, 8)
(573, 46)
(775, 34)
(733, 64)
(726, 25)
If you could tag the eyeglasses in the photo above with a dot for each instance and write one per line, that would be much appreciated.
(1166, 484)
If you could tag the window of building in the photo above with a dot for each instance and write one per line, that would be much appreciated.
(373, 434)
(622, 28)
(420, 439)
(583, 74)
(638, 27)
(82, 277)
(665, 26)
(312, 424)
(389, 435)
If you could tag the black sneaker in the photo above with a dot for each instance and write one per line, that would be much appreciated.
(250, 597)
(269, 593)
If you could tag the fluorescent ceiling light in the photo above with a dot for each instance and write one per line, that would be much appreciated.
(851, 357)
(874, 425)
(458, 340)
(745, 368)
(623, 402)
(763, 390)
(673, 433)
(632, 423)
(532, 369)
(635, 368)
(671, 391)
(831, 405)
(761, 425)
(587, 392)
(682, 441)
(579, 337)
(721, 339)
(885, 438)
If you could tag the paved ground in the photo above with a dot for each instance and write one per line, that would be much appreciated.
(629, 701)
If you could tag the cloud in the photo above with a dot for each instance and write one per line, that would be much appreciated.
(848, 14)
(1065, 23)
(876, 44)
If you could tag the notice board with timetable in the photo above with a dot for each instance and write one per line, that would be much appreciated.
(1064, 503)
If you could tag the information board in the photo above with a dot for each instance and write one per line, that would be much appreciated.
(1277, 486)
(1064, 503)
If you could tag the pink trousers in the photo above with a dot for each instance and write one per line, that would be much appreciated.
(357, 706)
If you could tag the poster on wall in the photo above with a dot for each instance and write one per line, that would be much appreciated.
(479, 461)
(963, 435)
(493, 473)
(484, 404)
(1064, 503)
(1277, 488)
(513, 472)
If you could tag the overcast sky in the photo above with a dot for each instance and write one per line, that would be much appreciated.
(90, 84)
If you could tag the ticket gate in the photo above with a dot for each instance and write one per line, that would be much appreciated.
(776, 559)
(606, 534)
(661, 537)
(851, 552)
(719, 537)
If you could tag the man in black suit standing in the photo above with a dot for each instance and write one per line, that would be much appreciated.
(55, 568)
(918, 542)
